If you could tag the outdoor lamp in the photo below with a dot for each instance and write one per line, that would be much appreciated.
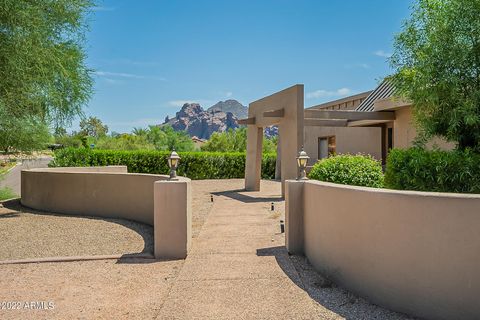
(302, 161)
(173, 161)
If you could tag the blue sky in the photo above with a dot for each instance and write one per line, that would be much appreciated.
(151, 56)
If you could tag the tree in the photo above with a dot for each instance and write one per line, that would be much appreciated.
(234, 141)
(25, 133)
(437, 67)
(93, 127)
(42, 61)
(166, 138)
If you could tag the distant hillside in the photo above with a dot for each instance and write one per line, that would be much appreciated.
(202, 123)
(233, 106)
(220, 117)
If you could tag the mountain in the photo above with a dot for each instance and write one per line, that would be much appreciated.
(233, 106)
(202, 123)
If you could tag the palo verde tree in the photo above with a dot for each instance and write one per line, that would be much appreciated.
(437, 67)
(42, 61)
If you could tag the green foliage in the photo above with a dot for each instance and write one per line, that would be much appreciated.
(356, 170)
(7, 193)
(166, 138)
(437, 67)
(23, 133)
(235, 141)
(123, 142)
(93, 127)
(42, 71)
(440, 171)
(195, 165)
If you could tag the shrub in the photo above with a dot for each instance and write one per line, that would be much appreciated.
(195, 165)
(439, 171)
(356, 170)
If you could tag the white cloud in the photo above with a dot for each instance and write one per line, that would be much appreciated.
(125, 75)
(326, 93)
(383, 54)
(229, 94)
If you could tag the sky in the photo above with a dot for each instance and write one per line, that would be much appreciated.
(151, 56)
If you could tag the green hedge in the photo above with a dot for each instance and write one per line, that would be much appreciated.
(356, 170)
(195, 165)
(440, 171)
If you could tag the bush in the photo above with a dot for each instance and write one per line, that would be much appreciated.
(194, 165)
(356, 170)
(439, 171)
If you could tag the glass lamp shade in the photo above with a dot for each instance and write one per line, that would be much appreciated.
(302, 162)
(302, 159)
(173, 160)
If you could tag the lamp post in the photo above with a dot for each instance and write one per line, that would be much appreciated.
(302, 161)
(173, 161)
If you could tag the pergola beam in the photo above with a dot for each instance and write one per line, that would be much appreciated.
(247, 121)
(280, 113)
(349, 115)
(325, 122)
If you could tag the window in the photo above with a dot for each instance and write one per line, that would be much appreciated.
(326, 147)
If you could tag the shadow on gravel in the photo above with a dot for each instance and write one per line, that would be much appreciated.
(238, 194)
(324, 291)
(145, 231)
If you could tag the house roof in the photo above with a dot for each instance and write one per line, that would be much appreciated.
(385, 90)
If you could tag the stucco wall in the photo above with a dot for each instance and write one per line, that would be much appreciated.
(112, 192)
(413, 252)
(97, 191)
(404, 132)
(348, 140)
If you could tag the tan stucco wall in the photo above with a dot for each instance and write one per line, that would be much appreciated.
(404, 132)
(413, 252)
(111, 192)
(100, 191)
(348, 140)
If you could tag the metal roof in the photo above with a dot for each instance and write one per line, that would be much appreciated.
(385, 90)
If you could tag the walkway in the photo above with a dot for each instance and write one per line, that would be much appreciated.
(238, 267)
(13, 177)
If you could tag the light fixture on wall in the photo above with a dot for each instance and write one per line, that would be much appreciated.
(173, 162)
(302, 161)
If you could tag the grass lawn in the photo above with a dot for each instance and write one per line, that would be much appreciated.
(6, 193)
(5, 166)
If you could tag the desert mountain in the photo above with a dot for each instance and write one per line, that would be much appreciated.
(233, 106)
(202, 123)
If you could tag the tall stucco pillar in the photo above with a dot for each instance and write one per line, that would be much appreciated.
(294, 234)
(172, 218)
(253, 164)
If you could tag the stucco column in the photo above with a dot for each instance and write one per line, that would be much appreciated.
(253, 164)
(294, 234)
(172, 218)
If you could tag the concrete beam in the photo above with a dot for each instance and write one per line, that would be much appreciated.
(325, 123)
(247, 121)
(275, 113)
(350, 115)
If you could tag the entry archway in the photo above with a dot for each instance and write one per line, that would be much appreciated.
(284, 109)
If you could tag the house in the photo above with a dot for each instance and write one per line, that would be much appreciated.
(372, 123)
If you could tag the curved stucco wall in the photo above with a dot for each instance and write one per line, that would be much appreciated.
(97, 191)
(414, 252)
